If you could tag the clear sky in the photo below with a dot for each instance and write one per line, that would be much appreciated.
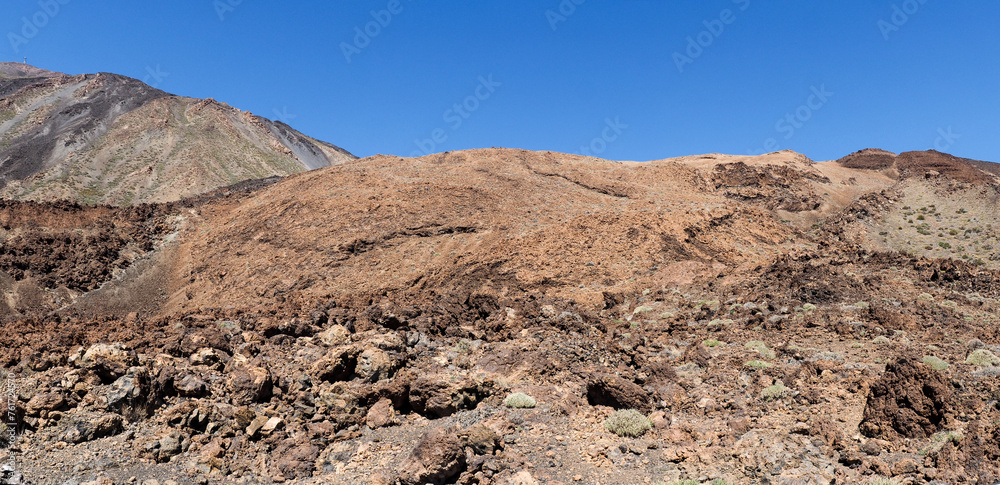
(620, 79)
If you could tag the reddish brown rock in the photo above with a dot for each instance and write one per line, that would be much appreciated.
(910, 400)
(436, 458)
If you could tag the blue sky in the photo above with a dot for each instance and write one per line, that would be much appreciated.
(622, 79)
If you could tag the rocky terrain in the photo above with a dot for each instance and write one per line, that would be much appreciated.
(512, 317)
(105, 138)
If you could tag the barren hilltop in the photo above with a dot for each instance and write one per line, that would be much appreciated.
(504, 317)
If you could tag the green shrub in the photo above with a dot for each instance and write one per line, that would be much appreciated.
(713, 305)
(982, 357)
(758, 364)
(519, 400)
(938, 440)
(642, 309)
(882, 481)
(761, 348)
(774, 392)
(935, 363)
(881, 340)
(711, 343)
(808, 307)
(628, 422)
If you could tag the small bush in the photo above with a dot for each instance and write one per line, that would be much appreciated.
(982, 357)
(882, 481)
(881, 340)
(628, 422)
(711, 343)
(935, 363)
(758, 364)
(938, 440)
(713, 305)
(761, 348)
(519, 400)
(808, 307)
(642, 309)
(774, 392)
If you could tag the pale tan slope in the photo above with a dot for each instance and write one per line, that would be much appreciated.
(482, 222)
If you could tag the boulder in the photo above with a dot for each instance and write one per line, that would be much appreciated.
(437, 397)
(250, 384)
(131, 391)
(109, 361)
(338, 365)
(381, 414)
(190, 385)
(43, 403)
(437, 458)
(91, 426)
(618, 393)
(909, 400)
(375, 365)
(335, 335)
(212, 358)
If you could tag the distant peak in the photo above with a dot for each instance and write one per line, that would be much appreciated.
(20, 69)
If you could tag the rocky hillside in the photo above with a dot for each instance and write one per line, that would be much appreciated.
(513, 317)
(105, 138)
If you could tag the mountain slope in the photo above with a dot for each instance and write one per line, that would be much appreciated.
(366, 322)
(105, 138)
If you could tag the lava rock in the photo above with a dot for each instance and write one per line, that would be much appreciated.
(437, 458)
(91, 426)
(381, 414)
(618, 393)
(109, 361)
(250, 385)
(909, 399)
